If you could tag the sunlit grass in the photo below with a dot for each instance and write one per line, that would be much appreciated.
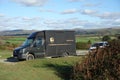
(5, 54)
(39, 69)
(86, 39)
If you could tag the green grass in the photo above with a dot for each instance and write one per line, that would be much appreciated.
(15, 40)
(39, 69)
(5, 54)
(87, 38)
(78, 39)
(21, 39)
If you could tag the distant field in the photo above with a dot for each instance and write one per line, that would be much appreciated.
(87, 38)
(21, 39)
(83, 42)
(39, 69)
(15, 39)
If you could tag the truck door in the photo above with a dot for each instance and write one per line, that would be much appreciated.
(39, 48)
(60, 49)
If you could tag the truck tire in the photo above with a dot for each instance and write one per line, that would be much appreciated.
(30, 57)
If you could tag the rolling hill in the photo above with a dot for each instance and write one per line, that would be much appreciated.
(78, 31)
(16, 32)
(103, 31)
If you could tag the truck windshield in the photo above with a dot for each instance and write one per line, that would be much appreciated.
(27, 42)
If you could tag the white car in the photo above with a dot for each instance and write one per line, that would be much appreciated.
(97, 44)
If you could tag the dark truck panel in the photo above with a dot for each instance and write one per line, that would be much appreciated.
(64, 42)
(48, 43)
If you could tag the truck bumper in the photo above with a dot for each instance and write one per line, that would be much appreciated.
(20, 56)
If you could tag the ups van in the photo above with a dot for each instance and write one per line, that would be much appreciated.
(47, 43)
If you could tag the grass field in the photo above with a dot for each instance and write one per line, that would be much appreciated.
(87, 38)
(39, 69)
(5, 54)
(15, 40)
(21, 39)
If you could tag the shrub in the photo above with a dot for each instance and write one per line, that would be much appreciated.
(2, 47)
(8, 46)
(102, 65)
(118, 37)
(106, 38)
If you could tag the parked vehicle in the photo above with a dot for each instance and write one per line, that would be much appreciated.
(94, 46)
(48, 43)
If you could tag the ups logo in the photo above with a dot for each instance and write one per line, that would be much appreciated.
(52, 39)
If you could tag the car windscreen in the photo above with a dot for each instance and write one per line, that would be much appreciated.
(97, 44)
(100, 44)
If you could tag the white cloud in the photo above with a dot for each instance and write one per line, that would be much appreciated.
(10, 23)
(111, 22)
(76, 21)
(105, 15)
(30, 19)
(38, 23)
(92, 4)
(70, 23)
(117, 20)
(69, 11)
(31, 2)
(109, 15)
(88, 12)
(2, 15)
(27, 18)
(84, 12)
(55, 24)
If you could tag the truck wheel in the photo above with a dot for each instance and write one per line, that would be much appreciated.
(65, 54)
(30, 57)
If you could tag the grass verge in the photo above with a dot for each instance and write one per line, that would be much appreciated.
(39, 69)
(5, 54)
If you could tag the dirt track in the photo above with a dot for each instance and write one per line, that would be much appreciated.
(82, 52)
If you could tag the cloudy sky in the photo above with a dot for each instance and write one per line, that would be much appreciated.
(59, 14)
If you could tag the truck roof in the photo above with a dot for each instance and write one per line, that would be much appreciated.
(32, 35)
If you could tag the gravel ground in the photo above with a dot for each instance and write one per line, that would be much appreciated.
(82, 52)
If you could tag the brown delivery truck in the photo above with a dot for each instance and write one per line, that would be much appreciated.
(47, 43)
